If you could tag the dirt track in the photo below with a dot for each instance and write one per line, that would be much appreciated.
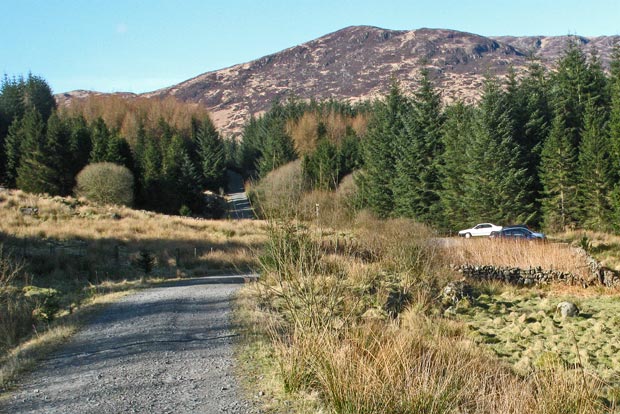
(162, 350)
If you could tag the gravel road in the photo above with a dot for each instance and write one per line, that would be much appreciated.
(162, 350)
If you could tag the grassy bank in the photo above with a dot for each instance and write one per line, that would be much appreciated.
(59, 256)
(359, 328)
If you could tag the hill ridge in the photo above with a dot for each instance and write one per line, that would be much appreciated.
(357, 62)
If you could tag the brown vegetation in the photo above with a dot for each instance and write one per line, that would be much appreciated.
(126, 114)
(57, 254)
(305, 130)
(346, 316)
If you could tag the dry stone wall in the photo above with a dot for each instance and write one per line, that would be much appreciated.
(597, 276)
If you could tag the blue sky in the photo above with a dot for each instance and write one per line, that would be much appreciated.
(139, 45)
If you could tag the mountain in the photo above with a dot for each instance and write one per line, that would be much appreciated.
(358, 63)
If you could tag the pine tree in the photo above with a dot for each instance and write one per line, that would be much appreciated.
(188, 182)
(322, 167)
(455, 166)
(13, 151)
(36, 172)
(532, 115)
(79, 145)
(496, 182)
(277, 147)
(385, 128)
(416, 184)
(57, 155)
(100, 135)
(614, 113)
(559, 178)
(37, 95)
(594, 172)
(211, 155)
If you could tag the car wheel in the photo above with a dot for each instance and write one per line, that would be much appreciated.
(467, 235)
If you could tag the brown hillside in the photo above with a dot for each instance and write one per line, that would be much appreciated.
(357, 63)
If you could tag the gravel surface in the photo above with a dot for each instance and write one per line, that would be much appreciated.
(238, 204)
(167, 349)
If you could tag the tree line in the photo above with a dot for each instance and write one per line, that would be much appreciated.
(540, 148)
(42, 150)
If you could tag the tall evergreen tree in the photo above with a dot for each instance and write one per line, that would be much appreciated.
(594, 187)
(614, 113)
(533, 121)
(416, 184)
(79, 145)
(497, 181)
(38, 95)
(277, 147)
(13, 151)
(455, 167)
(322, 167)
(100, 137)
(37, 172)
(57, 155)
(188, 182)
(384, 129)
(211, 155)
(558, 175)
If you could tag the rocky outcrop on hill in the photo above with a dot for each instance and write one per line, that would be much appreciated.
(358, 63)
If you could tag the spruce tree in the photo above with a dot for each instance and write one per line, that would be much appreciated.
(416, 184)
(497, 181)
(37, 172)
(558, 175)
(594, 172)
(322, 167)
(614, 113)
(277, 146)
(100, 135)
(79, 145)
(211, 155)
(455, 167)
(13, 151)
(37, 95)
(188, 182)
(58, 157)
(384, 129)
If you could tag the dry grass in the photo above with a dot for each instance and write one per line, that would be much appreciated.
(72, 252)
(519, 254)
(604, 247)
(357, 330)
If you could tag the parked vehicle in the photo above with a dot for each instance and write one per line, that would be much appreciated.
(482, 229)
(517, 233)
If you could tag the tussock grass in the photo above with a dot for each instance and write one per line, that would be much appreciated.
(359, 328)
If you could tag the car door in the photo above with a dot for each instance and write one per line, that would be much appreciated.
(481, 230)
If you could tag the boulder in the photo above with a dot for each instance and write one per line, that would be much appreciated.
(454, 292)
(567, 309)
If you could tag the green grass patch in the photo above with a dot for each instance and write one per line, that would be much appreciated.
(524, 328)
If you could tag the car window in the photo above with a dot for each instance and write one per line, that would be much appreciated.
(485, 226)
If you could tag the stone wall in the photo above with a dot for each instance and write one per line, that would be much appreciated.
(598, 276)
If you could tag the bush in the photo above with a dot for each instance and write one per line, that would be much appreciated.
(105, 183)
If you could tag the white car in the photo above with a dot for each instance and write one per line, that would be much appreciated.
(482, 229)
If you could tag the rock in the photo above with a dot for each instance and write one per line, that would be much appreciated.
(29, 211)
(454, 292)
(567, 309)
